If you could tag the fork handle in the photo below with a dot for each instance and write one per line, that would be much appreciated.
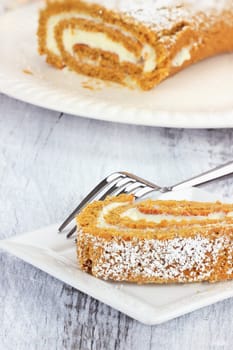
(214, 174)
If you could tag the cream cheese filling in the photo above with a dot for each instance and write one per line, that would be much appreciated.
(150, 58)
(96, 40)
(51, 24)
(135, 214)
(183, 55)
(101, 223)
(101, 41)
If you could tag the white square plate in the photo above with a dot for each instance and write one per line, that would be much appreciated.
(150, 304)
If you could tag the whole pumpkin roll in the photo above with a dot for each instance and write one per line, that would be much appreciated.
(134, 43)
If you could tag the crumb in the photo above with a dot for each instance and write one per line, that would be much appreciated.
(86, 85)
(92, 84)
(96, 84)
(27, 71)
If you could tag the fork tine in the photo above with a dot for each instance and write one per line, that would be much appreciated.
(142, 192)
(71, 232)
(143, 181)
(130, 188)
(89, 197)
(115, 188)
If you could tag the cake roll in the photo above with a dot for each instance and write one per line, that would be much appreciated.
(136, 43)
(156, 241)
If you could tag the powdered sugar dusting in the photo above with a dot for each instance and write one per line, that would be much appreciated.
(163, 14)
(161, 259)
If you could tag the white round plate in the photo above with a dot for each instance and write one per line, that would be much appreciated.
(199, 97)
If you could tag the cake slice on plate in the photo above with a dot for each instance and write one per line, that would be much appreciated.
(134, 43)
(155, 241)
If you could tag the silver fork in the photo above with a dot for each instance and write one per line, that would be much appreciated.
(125, 183)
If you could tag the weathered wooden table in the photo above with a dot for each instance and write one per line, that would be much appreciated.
(48, 161)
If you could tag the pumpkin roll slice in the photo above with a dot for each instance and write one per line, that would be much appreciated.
(155, 241)
(134, 43)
